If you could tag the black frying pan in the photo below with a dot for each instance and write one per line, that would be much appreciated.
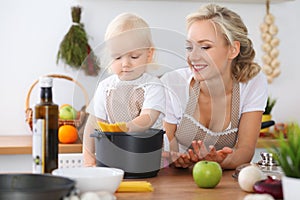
(34, 187)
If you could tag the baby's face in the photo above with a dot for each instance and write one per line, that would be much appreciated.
(129, 57)
(131, 65)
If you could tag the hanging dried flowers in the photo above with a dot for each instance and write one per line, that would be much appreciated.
(74, 50)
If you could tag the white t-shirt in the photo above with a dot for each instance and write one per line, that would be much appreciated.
(253, 94)
(154, 96)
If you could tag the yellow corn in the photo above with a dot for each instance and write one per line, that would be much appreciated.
(135, 186)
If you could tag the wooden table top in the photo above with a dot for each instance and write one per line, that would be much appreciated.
(171, 183)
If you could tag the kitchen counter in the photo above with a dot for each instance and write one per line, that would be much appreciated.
(23, 145)
(171, 183)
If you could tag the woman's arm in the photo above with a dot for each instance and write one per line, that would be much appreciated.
(249, 129)
(175, 158)
(228, 158)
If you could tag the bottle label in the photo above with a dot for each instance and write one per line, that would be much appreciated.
(38, 146)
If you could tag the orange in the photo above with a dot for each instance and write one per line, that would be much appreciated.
(67, 134)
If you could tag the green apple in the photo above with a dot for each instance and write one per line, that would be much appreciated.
(67, 112)
(207, 174)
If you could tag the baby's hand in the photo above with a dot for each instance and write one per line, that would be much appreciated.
(117, 127)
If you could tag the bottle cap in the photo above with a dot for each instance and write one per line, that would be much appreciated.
(45, 82)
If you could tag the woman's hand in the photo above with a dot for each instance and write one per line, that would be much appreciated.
(181, 160)
(177, 159)
(200, 152)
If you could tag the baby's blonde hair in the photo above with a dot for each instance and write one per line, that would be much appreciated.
(233, 29)
(129, 22)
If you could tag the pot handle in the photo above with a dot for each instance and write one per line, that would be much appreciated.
(97, 134)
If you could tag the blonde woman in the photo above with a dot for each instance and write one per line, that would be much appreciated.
(214, 108)
(130, 94)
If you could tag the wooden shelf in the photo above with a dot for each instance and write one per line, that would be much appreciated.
(23, 145)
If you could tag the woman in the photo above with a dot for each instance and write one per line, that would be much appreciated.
(215, 106)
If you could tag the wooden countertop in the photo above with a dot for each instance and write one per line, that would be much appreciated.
(171, 183)
(22, 145)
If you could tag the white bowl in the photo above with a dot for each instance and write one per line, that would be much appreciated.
(93, 178)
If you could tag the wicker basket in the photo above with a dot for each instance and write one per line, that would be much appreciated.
(78, 123)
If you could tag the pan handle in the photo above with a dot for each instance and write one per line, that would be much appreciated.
(267, 124)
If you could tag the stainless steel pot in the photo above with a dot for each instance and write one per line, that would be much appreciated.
(34, 186)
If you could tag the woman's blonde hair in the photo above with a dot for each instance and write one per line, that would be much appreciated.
(233, 28)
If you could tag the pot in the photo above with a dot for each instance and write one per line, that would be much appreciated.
(34, 187)
(137, 153)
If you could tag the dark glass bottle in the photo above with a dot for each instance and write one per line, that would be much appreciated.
(45, 130)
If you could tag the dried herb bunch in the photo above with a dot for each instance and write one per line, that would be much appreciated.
(74, 50)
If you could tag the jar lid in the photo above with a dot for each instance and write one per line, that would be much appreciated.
(267, 159)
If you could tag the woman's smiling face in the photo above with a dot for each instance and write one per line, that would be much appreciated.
(208, 53)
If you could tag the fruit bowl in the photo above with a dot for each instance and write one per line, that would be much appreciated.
(92, 179)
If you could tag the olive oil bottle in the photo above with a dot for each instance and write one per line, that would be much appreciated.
(45, 130)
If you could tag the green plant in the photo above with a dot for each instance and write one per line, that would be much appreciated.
(269, 106)
(287, 153)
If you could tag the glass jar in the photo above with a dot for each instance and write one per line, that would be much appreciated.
(269, 166)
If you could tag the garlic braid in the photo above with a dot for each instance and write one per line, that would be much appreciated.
(270, 43)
